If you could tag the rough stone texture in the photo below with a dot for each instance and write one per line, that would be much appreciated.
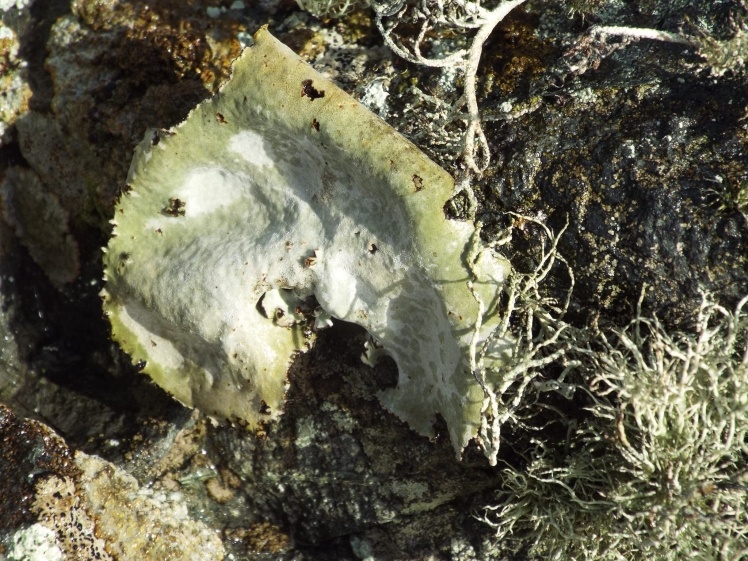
(59, 508)
(11, 368)
(15, 90)
(336, 452)
(645, 152)
(139, 523)
(640, 156)
(30, 451)
(42, 224)
(639, 147)
(94, 509)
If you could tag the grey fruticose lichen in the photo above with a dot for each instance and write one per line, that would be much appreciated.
(276, 205)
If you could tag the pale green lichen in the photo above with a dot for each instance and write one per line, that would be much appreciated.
(658, 468)
(327, 8)
(275, 204)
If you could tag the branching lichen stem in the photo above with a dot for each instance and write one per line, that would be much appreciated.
(642, 33)
(475, 151)
(474, 129)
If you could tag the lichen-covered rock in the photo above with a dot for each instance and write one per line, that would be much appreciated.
(59, 504)
(138, 523)
(276, 204)
(35, 543)
(644, 156)
(12, 368)
(641, 152)
(59, 508)
(334, 464)
(13, 82)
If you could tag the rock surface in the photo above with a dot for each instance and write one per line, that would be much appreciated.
(642, 147)
(63, 504)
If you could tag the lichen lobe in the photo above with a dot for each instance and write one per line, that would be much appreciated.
(245, 234)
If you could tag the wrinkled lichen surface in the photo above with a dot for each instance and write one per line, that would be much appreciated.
(280, 200)
(646, 142)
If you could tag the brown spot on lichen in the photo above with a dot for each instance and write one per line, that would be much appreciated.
(176, 207)
(308, 90)
(311, 260)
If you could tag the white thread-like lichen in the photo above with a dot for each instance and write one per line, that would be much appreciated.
(657, 470)
(274, 206)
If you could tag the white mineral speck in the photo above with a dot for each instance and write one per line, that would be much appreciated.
(6, 5)
(375, 97)
(245, 39)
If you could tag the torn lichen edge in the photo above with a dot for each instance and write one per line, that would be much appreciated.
(282, 188)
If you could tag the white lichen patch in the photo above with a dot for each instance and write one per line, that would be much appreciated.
(35, 543)
(274, 206)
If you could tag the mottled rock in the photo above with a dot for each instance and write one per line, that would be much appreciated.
(138, 523)
(12, 369)
(645, 144)
(70, 505)
(338, 454)
(14, 85)
(642, 151)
